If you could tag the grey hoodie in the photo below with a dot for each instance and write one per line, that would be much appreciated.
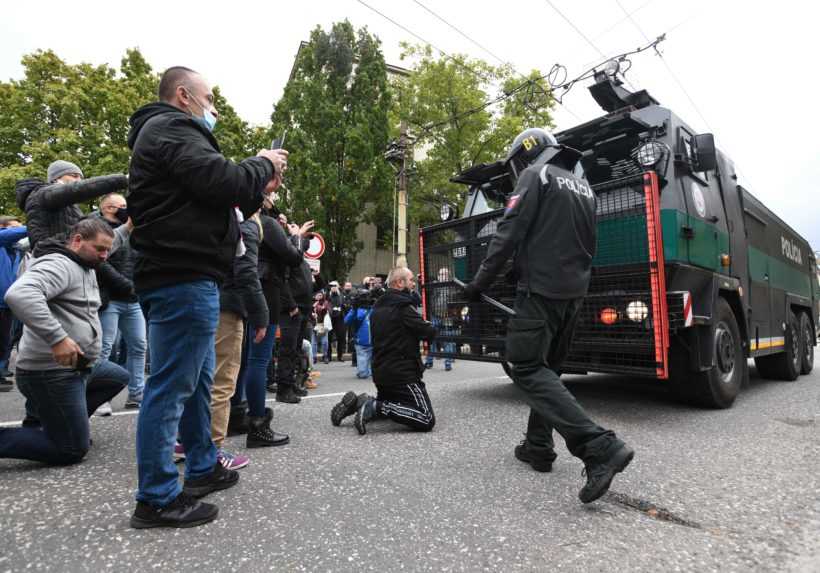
(56, 297)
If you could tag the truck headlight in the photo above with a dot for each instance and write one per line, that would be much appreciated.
(447, 212)
(637, 311)
(649, 154)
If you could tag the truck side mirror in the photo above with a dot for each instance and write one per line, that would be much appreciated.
(705, 154)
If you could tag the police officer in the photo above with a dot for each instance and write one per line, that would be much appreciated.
(549, 226)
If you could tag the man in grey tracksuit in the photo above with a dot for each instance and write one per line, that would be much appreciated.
(57, 300)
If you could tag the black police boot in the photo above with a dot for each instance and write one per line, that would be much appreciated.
(365, 412)
(220, 478)
(184, 511)
(539, 458)
(600, 475)
(261, 435)
(346, 407)
(238, 420)
(287, 395)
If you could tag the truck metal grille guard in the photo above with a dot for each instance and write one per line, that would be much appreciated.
(623, 325)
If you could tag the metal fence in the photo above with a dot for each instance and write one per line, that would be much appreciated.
(623, 323)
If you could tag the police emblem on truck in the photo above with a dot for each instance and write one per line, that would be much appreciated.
(791, 251)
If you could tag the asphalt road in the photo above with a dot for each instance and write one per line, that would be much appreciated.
(733, 490)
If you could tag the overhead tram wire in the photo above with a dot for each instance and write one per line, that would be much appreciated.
(487, 51)
(464, 66)
(674, 75)
(584, 36)
(422, 40)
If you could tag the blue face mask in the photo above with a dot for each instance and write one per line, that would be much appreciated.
(208, 121)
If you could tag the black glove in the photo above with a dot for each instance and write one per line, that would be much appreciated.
(472, 292)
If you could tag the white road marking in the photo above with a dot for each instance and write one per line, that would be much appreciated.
(135, 412)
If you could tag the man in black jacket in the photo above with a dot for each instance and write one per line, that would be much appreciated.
(120, 310)
(296, 308)
(183, 201)
(338, 310)
(51, 208)
(550, 226)
(396, 327)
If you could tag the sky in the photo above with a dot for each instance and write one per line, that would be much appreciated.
(744, 71)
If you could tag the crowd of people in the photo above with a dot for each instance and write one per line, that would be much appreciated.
(186, 287)
(187, 270)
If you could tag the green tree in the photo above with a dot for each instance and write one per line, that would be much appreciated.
(80, 113)
(443, 102)
(335, 111)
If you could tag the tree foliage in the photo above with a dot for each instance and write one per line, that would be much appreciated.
(436, 101)
(335, 111)
(80, 113)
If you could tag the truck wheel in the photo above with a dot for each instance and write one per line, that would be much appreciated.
(807, 340)
(784, 365)
(719, 386)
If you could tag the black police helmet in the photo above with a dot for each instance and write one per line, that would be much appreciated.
(527, 146)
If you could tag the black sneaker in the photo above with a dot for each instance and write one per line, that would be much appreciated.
(31, 422)
(539, 460)
(271, 387)
(287, 395)
(300, 391)
(599, 476)
(184, 511)
(6, 385)
(365, 412)
(346, 407)
(132, 403)
(218, 479)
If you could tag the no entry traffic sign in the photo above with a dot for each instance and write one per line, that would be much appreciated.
(316, 248)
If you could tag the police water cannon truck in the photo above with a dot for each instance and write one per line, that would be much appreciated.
(692, 274)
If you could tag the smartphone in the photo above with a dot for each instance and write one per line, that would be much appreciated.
(83, 363)
(279, 143)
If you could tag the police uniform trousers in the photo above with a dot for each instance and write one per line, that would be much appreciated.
(407, 404)
(538, 340)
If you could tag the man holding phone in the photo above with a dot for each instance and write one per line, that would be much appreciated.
(57, 300)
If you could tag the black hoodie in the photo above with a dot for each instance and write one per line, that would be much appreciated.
(396, 327)
(183, 194)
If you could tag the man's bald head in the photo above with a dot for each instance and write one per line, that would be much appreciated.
(400, 278)
(187, 90)
(171, 79)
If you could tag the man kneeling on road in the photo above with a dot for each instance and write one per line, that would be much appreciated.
(396, 327)
(57, 301)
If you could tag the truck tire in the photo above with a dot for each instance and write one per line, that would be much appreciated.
(719, 386)
(807, 340)
(784, 365)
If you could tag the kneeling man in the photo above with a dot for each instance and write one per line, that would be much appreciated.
(396, 327)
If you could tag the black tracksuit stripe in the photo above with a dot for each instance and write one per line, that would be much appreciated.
(408, 404)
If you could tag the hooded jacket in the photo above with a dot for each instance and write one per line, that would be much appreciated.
(276, 255)
(9, 258)
(56, 297)
(396, 327)
(116, 276)
(183, 194)
(51, 209)
(241, 293)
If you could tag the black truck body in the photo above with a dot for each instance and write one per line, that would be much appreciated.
(692, 273)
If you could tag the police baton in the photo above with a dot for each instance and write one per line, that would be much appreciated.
(491, 301)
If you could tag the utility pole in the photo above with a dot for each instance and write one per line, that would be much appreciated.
(401, 255)
(397, 155)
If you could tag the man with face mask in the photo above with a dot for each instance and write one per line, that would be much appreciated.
(396, 326)
(57, 300)
(120, 310)
(184, 200)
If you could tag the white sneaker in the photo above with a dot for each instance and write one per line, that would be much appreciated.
(104, 410)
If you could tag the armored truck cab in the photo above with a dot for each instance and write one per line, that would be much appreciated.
(692, 273)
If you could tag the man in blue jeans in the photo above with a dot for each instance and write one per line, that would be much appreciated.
(120, 311)
(183, 202)
(57, 301)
